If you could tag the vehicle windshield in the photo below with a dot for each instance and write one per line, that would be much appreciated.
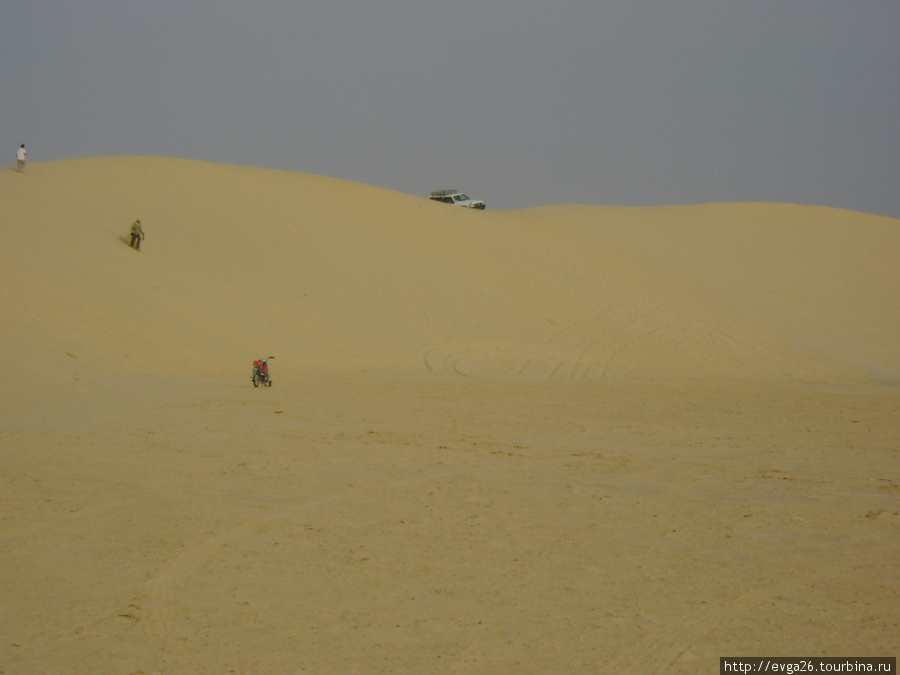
(460, 198)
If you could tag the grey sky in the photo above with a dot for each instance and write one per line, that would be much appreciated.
(519, 102)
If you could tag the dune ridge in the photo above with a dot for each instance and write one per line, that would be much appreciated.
(331, 275)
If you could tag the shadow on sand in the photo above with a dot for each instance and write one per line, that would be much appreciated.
(127, 241)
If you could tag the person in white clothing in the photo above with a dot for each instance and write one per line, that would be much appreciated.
(20, 158)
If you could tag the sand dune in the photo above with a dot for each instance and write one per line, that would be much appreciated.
(558, 439)
(331, 275)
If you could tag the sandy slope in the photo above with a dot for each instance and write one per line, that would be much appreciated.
(563, 439)
(332, 275)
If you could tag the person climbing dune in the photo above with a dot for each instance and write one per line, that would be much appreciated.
(137, 235)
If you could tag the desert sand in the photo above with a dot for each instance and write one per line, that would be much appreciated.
(567, 439)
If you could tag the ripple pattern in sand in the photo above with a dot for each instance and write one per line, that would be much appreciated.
(510, 360)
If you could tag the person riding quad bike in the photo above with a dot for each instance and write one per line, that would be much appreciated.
(261, 373)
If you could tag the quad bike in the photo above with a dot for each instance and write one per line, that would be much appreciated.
(261, 374)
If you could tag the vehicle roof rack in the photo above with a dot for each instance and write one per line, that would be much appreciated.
(443, 193)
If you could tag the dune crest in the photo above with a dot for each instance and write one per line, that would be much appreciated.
(333, 276)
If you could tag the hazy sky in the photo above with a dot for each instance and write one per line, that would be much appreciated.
(518, 102)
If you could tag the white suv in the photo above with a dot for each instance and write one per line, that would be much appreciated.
(456, 197)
